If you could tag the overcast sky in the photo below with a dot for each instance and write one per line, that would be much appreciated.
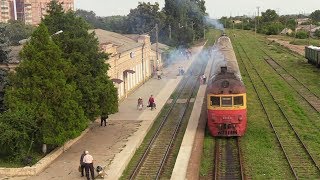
(215, 8)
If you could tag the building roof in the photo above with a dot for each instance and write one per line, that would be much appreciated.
(286, 30)
(124, 43)
(162, 47)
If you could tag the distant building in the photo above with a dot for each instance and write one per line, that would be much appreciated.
(286, 31)
(28, 11)
(302, 20)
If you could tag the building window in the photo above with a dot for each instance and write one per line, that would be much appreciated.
(132, 55)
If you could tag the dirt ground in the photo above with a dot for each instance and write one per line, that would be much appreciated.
(296, 48)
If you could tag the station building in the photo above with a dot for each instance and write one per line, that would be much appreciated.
(132, 59)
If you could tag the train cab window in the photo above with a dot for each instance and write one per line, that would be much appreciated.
(238, 101)
(226, 101)
(215, 101)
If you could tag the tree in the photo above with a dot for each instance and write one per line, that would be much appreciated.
(3, 84)
(82, 50)
(302, 35)
(41, 86)
(317, 33)
(4, 49)
(18, 30)
(315, 16)
(17, 139)
(269, 16)
(144, 18)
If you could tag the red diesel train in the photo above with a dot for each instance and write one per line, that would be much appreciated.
(226, 93)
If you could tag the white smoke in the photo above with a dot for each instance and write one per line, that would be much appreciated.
(213, 22)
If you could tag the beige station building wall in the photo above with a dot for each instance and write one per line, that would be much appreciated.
(132, 61)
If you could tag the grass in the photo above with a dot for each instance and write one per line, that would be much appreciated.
(300, 115)
(207, 155)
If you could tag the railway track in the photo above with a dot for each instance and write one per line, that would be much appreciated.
(152, 162)
(228, 160)
(299, 158)
(310, 97)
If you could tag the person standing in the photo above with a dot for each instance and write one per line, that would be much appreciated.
(204, 78)
(151, 102)
(140, 103)
(88, 164)
(82, 166)
(104, 118)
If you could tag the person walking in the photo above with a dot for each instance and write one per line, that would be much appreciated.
(104, 118)
(88, 165)
(82, 166)
(151, 102)
(159, 74)
(204, 78)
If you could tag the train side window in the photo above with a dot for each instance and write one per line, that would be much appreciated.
(215, 101)
(238, 100)
(227, 101)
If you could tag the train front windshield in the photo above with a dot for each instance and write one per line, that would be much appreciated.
(227, 101)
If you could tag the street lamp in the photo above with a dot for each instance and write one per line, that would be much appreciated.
(23, 41)
(58, 32)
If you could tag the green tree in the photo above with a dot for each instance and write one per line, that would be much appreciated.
(18, 133)
(269, 16)
(315, 16)
(41, 84)
(317, 33)
(3, 84)
(18, 30)
(82, 49)
(144, 18)
(302, 35)
(4, 49)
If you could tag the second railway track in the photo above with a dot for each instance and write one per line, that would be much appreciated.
(152, 162)
(301, 162)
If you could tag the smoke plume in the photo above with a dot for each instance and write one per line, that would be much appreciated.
(213, 22)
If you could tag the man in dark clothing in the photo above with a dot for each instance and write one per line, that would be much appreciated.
(151, 102)
(82, 163)
(104, 119)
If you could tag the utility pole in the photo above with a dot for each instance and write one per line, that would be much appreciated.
(255, 27)
(242, 21)
(258, 14)
(170, 32)
(157, 44)
(204, 33)
(193, 35)
(309, 34)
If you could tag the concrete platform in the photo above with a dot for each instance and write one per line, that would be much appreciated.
(180, 168)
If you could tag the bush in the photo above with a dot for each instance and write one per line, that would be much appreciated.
(317, 33)
(302, 35)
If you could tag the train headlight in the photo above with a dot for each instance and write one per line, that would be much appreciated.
(240, 117)
(214, 118)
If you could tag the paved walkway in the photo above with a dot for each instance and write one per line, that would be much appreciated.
(113, 146)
